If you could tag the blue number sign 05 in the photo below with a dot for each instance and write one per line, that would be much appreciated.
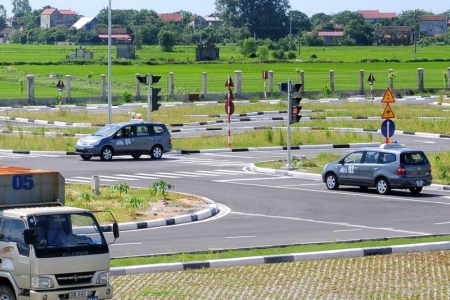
(22, 182)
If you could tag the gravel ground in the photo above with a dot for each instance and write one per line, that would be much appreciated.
(419, 275)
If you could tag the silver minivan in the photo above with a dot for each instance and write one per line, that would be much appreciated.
(389, 167)
(133, 138)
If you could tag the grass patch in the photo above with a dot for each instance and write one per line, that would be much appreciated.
(201, 256)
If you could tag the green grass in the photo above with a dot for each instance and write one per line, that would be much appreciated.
(345, 61)
(202, 256)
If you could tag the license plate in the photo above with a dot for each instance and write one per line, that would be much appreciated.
(419, 183)
(78, 294)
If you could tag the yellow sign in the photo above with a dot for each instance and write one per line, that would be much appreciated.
(388, 113)
(388, 96)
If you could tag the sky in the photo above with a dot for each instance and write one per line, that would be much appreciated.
(204, 7)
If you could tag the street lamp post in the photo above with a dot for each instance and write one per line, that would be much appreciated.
(109, 66)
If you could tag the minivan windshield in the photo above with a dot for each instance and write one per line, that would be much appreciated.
(107, 130)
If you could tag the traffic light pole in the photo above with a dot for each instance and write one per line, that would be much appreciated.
(149, 97)
(288, 161)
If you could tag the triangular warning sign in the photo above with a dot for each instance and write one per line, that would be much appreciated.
(388, 96)
(388, 113)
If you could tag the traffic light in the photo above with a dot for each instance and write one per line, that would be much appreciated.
(154, 79)
(142, 79)
(155, 98)
(294, 112)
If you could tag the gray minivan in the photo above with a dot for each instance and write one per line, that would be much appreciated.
(389, 167)
(133, 138)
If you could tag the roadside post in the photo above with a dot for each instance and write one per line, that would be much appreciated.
(229, 106)
(388, 126)
(371, 80)
(60, 87)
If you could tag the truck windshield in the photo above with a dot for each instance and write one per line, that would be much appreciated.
(67, 235)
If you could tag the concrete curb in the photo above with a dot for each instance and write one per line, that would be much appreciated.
(294, 257)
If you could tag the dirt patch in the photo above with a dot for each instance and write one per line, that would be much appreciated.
(167, 209)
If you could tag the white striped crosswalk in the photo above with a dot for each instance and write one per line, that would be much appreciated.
(206, 161)
(158, 175)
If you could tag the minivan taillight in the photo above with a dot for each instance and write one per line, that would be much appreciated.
(401, 171)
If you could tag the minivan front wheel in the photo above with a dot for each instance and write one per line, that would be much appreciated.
(106, 154)
(331, 181)
(383, 187)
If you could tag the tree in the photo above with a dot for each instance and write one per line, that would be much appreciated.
(2, 11)
(322, 22)
(360, 32)
(299, 21)
(166, 39)
(21, 7)
(345, 17)
(248, 47)
(264, 18)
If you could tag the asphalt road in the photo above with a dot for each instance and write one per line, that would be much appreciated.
(257, 209)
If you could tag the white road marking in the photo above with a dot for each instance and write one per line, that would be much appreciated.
(240, 237)
(333, 223)
(442, 223)
(347, 230)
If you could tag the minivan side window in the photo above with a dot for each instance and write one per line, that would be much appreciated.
(387, 158)
(142, 130)
(158, 129)
(352, 158)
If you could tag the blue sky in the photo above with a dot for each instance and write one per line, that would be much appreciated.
(203, 7)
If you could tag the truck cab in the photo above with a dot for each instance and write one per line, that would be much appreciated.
(49, 251)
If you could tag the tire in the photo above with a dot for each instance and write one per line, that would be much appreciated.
(383, 187)
(331, 181)
(136, 156)
(156, 152)
(106, 154)
(415, 190)
(6, 293)
(86, 156)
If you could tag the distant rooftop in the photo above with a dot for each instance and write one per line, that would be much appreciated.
(376, 14)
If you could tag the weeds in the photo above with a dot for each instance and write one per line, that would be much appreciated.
(161, 188)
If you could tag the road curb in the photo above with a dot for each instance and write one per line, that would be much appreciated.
(270, 259)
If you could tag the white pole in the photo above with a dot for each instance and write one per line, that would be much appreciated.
(109, 66)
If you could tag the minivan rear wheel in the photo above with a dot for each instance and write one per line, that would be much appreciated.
(383, 187)
(156, 152)
(415, 190)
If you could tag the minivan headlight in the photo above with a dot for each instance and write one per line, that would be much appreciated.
(103, 278)
(39, 282)
(88, 143)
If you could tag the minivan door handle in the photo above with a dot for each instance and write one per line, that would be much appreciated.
(375, 169)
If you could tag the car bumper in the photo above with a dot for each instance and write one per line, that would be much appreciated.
(403, 183)
(102, 292)
(87, 150)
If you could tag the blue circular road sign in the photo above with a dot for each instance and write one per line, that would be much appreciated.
(384, 128)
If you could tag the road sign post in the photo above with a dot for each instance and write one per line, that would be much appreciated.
(229, 106)
(371, 80)
(388, 114)
(265, 76)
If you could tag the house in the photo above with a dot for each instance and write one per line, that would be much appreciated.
(86, 23)
(51, 17)
(432, 25)
(5, 35)
(373, 16)
(177, 17)
(12, 22)
(213, 20)
(330, 36)
(395, 35)
(118, 35)
(197, 22)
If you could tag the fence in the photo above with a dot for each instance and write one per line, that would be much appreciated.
(212, 87)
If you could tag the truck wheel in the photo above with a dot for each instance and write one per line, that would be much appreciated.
(105, 154)
(6, 293)
(86, 156)
(156, 152)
